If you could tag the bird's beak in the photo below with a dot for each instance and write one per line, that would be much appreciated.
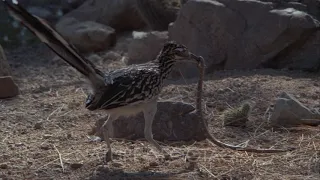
(194, 58)
(190, 57)
(197, 59)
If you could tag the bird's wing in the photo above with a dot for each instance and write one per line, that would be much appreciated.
(129, 86)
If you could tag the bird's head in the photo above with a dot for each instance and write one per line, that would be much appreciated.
(177, 52)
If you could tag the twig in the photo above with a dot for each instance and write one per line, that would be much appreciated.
(207, 170)
(53, 112)
(60, 157)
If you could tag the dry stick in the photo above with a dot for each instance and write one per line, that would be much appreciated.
(60, 157)
(209, 137)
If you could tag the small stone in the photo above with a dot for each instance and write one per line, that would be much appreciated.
(69, 135)
(94, 139)
(94, 58)
(117, 164)
(38, 125)
(221, 91)
(4, 166)
(111, 56)
(19, 144)
(76, 165)
(303, 95)
(153, 164)
(47, 136)
(45, 147)
(145, 149)
(36, 96)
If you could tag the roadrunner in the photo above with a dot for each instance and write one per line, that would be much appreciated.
(121, 92)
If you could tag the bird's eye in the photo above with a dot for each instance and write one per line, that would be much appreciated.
(180, 49)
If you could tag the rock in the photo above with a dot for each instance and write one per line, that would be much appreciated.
(70, 5)
(158, 14)
(228, 36)
(45, 147)
(76, 165)
(153, 164)
(95, 58)
(183, 1)
(40, 12)
(120, 15)
(145, 46)
(4, 166)
(38, 125)
(8, 88)
(47, 136)
(117, 164)
(178, 124)
(288, 111)
(111, 56)
(87, 36)
(310, 6)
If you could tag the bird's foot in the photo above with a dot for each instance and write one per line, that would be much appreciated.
(108, 156)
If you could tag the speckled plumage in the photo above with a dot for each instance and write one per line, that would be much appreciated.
(128, 86)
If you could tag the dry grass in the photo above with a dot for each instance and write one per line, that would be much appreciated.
(52, 97)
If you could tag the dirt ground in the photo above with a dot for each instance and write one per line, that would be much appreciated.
(43, 132)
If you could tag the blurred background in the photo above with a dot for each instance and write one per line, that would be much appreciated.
(13, 34)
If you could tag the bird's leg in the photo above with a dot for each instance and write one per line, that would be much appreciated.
(110, 127)
(105, 131)
(149, 113)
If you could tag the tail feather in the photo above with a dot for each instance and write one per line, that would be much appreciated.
(55, 42)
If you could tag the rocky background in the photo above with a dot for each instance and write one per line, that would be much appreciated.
(228, 34)
(264, 51)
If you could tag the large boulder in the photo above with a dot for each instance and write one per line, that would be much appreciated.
(181, 123)
(87, 36)
(145, 46)
(70, 5)
(234, 34)
(158, 14)
(120, 15)
(310, 6)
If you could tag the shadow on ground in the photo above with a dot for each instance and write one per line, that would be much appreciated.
(103, 172)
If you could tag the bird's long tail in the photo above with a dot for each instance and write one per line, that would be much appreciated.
(55, 42)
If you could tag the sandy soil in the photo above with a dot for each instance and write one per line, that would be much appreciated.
(46, 127)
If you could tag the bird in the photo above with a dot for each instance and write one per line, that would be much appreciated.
(121, 92)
